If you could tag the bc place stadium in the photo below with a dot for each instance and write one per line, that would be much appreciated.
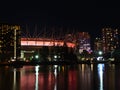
(34, 47)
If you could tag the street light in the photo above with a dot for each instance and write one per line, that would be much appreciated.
(100, 57)
(36, 56)
(100, 52)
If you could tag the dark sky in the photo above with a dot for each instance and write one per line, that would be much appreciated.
(84, 15)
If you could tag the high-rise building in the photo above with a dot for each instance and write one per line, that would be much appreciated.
(9, 41)
(83, 41)
(98, 44)
(110, 39)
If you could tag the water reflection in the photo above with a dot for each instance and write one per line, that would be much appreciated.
(36, 75)
(85, 77)
(100, 73)
(66, 77)
(14, 79)
(55, 74)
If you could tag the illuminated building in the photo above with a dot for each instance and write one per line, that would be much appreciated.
(110, 38)
(9, 41)
(31, 45)
(50, 43)
(98, 44)
(83, 41)
(43, 42)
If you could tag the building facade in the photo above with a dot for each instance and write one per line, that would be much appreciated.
(83, 41)
(9, 41)
(110, 39)
(98, 44)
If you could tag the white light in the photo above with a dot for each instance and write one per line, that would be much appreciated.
(100, 72)
(100, 58)
(55, 73)
(36, 56)
(55, 56)
(36, 78)
(55, 66)
(100, 53)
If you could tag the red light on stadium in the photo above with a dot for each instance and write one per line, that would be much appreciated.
(44, 42)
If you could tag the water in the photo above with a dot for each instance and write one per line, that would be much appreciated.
(66, 77)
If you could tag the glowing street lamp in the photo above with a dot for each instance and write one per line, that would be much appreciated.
(100, 52)
(36, 56)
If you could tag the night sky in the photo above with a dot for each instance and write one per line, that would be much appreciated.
(84, 15)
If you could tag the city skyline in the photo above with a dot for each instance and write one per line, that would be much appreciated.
(79, 42)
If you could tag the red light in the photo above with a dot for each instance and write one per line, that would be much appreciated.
(31, 42)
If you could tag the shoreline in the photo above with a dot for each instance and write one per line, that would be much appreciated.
(23, 63)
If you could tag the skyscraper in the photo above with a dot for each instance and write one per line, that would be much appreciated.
(9, 41)
(83, 41)
(110, 39)
(98, 44)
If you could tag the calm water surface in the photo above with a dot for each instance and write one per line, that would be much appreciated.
(54, 77)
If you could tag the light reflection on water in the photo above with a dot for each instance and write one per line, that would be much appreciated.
(100, 72)
(36, 75)
(55, 74)
(66, 77)
(14, 79)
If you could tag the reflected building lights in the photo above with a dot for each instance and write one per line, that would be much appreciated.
(57, 77)
(14, 81)
(83, 67)
(36, 77)
(55, 73)
(100, 72)
(91, 67)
